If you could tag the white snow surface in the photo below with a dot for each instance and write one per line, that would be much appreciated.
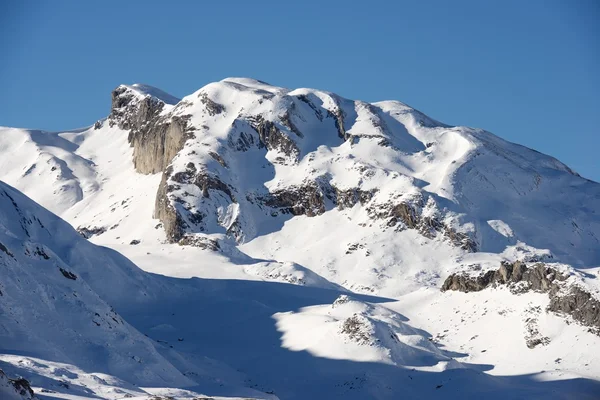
(264, 316)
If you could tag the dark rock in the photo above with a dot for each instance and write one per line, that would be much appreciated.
(466, 283)
(68, 274)
(5, 250)
(570, 300)
(200, 242)
(356, 327)
(273, 138)
(299, 200)
(579, 304)
(212, 107)
(155, 139)
(91, 231)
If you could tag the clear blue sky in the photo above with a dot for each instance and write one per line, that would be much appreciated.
(527, 70)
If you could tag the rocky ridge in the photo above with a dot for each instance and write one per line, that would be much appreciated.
(15, 389)
(565, 297)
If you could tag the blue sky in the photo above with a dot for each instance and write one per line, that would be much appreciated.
(524, 70)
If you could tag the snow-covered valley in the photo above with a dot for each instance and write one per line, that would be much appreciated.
(251, 241)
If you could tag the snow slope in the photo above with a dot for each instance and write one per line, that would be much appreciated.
(281, 201)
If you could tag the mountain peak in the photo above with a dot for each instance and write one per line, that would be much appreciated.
(142, 90)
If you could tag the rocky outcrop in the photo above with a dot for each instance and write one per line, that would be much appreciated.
(359, 329)
(164, 211)
(338, 115)
(211, 107)
(570, 300)
(405, 214)
(155, 144)
(155, 138)
(517, 276)
(88, 232)
(272, 138)
(579, 304)
(298, 200)
(20, 388)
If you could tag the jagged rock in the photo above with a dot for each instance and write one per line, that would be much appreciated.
(20, 386)
(91, 231)
(287, 121)
(348, 198)
(68, 274)
(342, 299)
(410, 216)
(274, 139)
(155, 144)
(155, 138)
(4, 249)
(212, 107)
(358, 328)
(579, 304)
(299, 200)
(570, 300)
(200, 242)
(466, 283)
(338, 115)
(171, 220)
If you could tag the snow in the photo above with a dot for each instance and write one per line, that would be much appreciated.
(262, 316)
(146, 90)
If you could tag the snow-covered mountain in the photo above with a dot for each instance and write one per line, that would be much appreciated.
(292, 206)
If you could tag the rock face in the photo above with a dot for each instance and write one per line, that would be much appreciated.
(240, 154)
(155, 138)
(200, 191)
(579, 304)
(15, 388)
(568, 299)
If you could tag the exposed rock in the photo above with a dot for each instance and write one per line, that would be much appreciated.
(5, 250)
(218, 159)
(208, 182)
(533, 336)
(170, 216)
(155, 144)
(155, 138)
(348, 198)
(287, 121)
(212, 107)
(358, 328)
(539, 278)
(579, 304)
(91, 231)
(342, 299)
(274, 139)
(411, 217)
(166, 213)
(299, 200)
(68, 274)
(571, 300)
(20, 386)
(200, 241)
(338, 115)
(466, 283)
